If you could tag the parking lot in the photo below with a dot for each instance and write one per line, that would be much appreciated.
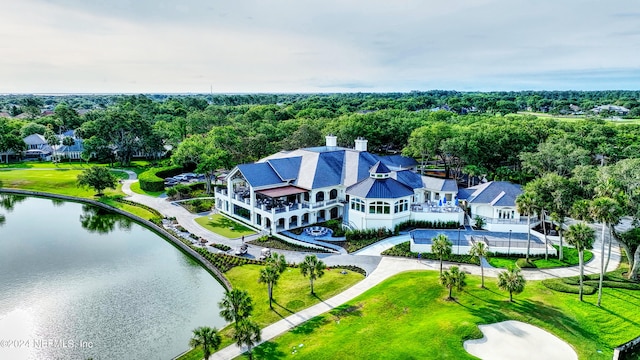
(184, 178)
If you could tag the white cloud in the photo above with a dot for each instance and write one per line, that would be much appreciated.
(332, 45)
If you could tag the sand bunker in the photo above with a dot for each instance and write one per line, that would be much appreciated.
(515, 340)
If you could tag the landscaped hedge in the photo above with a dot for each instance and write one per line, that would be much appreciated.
(404, 250)
(522, 263)
(590, 284)
(153, 179)
(424, 224)
(226, 262)
(276, 243)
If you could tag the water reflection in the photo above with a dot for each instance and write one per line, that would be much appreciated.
(101, 221)
(8, 202)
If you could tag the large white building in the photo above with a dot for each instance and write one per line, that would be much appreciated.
(302, 187)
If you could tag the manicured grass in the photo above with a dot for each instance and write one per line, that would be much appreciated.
(58, 181)
(224, 226)
(291, 295)
(570, 258)
(407, 317)
(63, 181)
(135, 210)
(135, 187)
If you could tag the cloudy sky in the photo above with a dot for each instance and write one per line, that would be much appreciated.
(195, 46)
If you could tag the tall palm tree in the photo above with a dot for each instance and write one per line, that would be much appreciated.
(236, 305)
(479, 250)
(581, 237)
(608, 212)
(312, 267)
(512, 281)
(277, 261)
(525, 204)
(247, 333)
(269, 275)
(441, 246)
(276, 264)
(206, 337)
(453, 278)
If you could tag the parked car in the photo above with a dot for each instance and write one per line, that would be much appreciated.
(241, 250)
(265, 253)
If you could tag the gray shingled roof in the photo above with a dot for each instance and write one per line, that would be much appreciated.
(440, 184)
(496, 193)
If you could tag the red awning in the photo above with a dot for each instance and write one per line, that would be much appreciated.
(281, 191)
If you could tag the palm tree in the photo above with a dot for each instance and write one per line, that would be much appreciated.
(479, 250)
(453, 278)
(581, 237)
(206, 337)
(441, 246)
(276, 264)
(312, 267)
(608, 212)
(236, 305)
(512, 281)
(247, 333)
(269, 275)
(525, 204)
(277, 261)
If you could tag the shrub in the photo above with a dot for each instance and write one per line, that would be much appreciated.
(153, 179)
(404, 250)
(561, 286)
(523, 263)
(424, 224)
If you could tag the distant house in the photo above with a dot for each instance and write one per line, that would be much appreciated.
(37, 147)
(620, 110)
(495, 202)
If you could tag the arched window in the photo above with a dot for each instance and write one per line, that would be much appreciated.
(357, 205)
(333, 194)
(379, 207)
(320, 196)
(400, 206)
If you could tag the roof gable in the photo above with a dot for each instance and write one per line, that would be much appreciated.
(496, 193)
(259, 174)
(286, 168)
(380, 189)
(409, 178)
(329, 169)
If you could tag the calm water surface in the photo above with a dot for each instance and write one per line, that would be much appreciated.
(77, 283)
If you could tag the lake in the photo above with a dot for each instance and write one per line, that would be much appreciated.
(78, 282)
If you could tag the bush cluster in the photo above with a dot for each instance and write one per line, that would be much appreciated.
(571, 285)
(404, 250)
(358, 239)
(153, 179)
(276, 243)
(225, 262)
(424, 224)
(522, 263)
(222, 247)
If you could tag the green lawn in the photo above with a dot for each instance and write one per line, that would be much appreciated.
(58, 181)
(407, 317)
(135, 187)
(224, 226)
(570, 259)
(292, 294)
(63, 181)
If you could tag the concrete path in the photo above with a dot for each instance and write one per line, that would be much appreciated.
(379, 268)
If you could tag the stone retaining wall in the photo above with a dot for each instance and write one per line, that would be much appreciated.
(155, 228)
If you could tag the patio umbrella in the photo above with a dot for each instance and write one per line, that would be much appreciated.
(456, 201)
(440, 202)
(444, 201)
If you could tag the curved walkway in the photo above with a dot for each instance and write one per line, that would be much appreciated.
(384, 267)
